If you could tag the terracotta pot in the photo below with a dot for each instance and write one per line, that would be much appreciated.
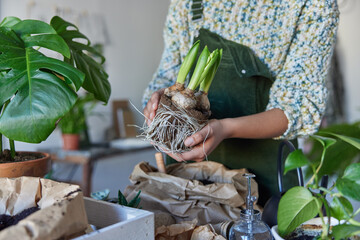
(71, 141)
(35, 168)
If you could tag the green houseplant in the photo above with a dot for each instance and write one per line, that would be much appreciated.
(301, 204)
(73, 125)
(37, 90)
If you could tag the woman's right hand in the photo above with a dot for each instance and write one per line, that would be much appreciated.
(152, 105)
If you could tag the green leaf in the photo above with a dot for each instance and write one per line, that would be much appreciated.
(199, 68)
(344, 230)
(188, 62)
(326, 142)
(348, 188)
(84, 57)
(121, 199)
(30, 27)
(296, 206)
(341, 150)
(38, 96)
(9, 21)
(352, 172)
(74, 122)
(341, 208)
(50, 41)
(135, 201)
(295, 159)
(351, 140)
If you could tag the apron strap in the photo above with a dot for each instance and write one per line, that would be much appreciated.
(197, 10)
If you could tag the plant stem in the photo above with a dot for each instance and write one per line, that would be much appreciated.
(12, 148)
(1, 144)
(325, 190)
(324, 226)
(2, 109)
(328, 214)
(354, 222)
(317, 170)
(357, 212)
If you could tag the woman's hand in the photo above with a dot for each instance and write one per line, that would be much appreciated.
(152, 105)
(204, 142)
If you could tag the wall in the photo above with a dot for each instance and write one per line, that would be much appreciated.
(131, 31)
(348, 40)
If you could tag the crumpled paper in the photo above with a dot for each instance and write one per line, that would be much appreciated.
(62, 211)
(181, 192)
(187, 230)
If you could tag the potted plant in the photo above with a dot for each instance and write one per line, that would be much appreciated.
(73, 125)
(331, 204)
(37, 90)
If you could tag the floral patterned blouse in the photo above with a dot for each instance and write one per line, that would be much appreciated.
(294, 38)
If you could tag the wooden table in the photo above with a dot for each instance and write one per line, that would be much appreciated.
(86, 158)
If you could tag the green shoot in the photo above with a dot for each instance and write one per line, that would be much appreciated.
(188, 62)
(134, 203)
(208, 77)
(12, 148)
(200, 66)
(121, 199)
(1, 144)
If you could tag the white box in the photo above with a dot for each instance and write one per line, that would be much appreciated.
(117, 222)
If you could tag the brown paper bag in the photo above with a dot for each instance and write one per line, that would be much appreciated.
(182, 192)
(62, 211)
(187, 230)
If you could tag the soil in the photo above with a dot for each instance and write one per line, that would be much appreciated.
(206, 182)
(5, 156)
(7, 220)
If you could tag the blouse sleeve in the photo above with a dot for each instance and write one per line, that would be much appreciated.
(170, 62)
(299, 89)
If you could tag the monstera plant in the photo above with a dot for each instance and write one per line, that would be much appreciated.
(37, 90)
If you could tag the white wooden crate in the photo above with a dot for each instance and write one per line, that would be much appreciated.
(117, 222)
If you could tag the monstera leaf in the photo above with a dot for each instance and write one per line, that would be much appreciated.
(84, 57)
(31, 85)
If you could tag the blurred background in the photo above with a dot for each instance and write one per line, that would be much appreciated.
(129, 32)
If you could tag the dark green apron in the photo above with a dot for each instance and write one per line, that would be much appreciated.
(241, 87)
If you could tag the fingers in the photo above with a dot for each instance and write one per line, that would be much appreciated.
(152, 106)
(199, 137)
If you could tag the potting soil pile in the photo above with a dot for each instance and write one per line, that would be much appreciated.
(61, 211)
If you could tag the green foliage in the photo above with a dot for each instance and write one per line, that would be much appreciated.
(295, 160)
(74, 122)
(134, 203)
(332, 166)
(344, 231)
(295, 207)
(37, 90)
(341, 208)
(349, 184)
(121, 199)
(84, 57)
(300, 204)
(37, 97)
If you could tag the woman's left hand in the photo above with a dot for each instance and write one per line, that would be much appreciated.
(203, 142)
